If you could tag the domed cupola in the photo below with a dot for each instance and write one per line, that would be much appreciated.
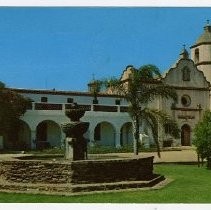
(201, 52)
(206, 36)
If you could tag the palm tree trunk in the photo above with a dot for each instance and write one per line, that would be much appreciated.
(135, 135)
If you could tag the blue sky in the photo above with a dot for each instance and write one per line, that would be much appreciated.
(62, 47)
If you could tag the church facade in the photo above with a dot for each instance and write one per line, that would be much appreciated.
(110, 124)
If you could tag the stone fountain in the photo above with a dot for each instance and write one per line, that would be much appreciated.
(79, 175)
(75, 143)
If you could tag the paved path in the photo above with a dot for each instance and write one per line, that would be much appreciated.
(11, 156)
(186, 155)
(176, 156)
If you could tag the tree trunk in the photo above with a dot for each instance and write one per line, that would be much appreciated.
(135, 135)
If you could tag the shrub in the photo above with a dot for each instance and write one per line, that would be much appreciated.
(202, 139)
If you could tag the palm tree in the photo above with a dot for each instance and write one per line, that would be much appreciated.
(141, 88)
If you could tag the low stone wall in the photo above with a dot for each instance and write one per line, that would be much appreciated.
(77, 172)
(35, 172)
(112, 170)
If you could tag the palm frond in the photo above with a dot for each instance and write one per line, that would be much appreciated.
(2, 85)
(152, 122)
(150, 92)
(149, 71)
(155, 117)
(141, 88)
(164, 119)
(115, 86)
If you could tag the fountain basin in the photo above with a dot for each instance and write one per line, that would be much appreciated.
(77, 172)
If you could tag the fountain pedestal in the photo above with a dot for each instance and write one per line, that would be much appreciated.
(76, 144)
(69, 148)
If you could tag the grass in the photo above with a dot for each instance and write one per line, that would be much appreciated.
(191, 185)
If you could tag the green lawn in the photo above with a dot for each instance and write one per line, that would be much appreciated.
(191, 185)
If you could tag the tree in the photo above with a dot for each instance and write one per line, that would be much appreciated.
(12, 106)
(202, 138)
(141, 88)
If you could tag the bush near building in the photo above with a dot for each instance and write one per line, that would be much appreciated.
(12, 107)
(202, 139)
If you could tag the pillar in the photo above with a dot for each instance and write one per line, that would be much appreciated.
(63, 137)
(69, 148)
(91, 137)
(117, 140)
(33, 139)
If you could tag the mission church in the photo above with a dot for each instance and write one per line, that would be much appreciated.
(110, 124)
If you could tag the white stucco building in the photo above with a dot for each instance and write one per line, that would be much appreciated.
(109, 121)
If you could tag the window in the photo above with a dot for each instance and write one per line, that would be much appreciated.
(117, 101)
(44, 99)
(95, 101)
(186, 100)
(70, 100)
(186, 74)
(196, 58)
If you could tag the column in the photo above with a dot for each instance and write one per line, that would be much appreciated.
(69, 148)
(33, 139)
(117, 140)
(63, 137)
(33, 105)
(91, 138)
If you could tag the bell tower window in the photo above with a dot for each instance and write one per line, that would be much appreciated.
(196, 55)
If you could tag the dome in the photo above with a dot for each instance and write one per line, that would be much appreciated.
(206, 36)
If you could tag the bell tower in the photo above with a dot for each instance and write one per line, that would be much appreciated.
(201, 52)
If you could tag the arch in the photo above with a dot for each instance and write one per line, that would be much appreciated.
(126, 137)
(48, 134)
(104, 134)
(185, 135)
(20, 138)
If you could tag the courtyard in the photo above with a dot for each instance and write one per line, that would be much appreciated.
(189, 184)
(185, 183)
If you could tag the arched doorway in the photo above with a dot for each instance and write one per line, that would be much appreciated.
(126, 134)
(185, 135)
(104, 134)
(48, 134)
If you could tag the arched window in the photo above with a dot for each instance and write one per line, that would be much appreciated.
(186, 74)
(196, 57)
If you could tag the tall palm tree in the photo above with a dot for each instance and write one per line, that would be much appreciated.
(142, 87)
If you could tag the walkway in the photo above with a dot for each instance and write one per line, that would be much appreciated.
(185, 155)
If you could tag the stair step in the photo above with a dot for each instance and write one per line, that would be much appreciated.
(76, 188)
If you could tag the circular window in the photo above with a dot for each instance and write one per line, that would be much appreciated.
(185, 100)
